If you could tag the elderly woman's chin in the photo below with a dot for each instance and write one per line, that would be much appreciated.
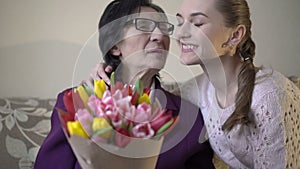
(156, 60)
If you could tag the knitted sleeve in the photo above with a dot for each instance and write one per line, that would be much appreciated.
(276, 133)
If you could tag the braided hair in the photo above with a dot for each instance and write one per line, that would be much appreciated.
(236, 12)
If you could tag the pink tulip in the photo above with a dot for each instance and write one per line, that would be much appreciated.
(143, 130)
(85, 118)
(122, 137)
(96, 106)
(158, 122)
(143, 113)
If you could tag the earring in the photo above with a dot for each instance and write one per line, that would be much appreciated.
(231, 45)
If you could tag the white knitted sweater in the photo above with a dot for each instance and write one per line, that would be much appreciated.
(272, 141)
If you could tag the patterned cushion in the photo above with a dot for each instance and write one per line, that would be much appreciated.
(24, 123)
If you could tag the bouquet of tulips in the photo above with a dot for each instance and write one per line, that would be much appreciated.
(121, 123)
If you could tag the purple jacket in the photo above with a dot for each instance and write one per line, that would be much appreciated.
(188, 153)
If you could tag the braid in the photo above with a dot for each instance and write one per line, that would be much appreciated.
(236, 12)
(246, 80)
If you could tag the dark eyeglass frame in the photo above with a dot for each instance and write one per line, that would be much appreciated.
(156, 24)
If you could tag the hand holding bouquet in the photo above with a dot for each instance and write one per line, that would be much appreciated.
(120, 123)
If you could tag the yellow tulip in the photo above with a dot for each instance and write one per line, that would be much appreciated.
(99, 88)
(75, 127)
(144, 98)
(101, 123)
(83, 95)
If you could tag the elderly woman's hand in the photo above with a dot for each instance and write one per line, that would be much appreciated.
(100, 71)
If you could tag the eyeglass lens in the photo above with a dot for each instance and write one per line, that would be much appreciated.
(148, 25)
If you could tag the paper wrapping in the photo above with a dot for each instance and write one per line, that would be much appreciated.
(138, 154)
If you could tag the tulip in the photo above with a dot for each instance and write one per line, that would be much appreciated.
(99, 88)
(147, 90)
(65, 117)
(119, 86)
(144, 99)
(134, 98)
(74, 127)
(158, 122)
(142, 130)
(122, 137)
(78, 103)
(102, 127)
(68, 102)
(85, 118)
(83, 95)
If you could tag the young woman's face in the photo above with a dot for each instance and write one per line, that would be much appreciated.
(145, 50)
(201, 31)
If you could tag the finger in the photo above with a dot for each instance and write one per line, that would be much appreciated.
(101, 73)
(108, 69)
(94, 74)
(104, 76)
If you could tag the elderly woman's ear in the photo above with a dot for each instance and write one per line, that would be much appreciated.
(115, 51)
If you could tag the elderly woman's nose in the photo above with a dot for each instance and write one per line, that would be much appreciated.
(156, 34)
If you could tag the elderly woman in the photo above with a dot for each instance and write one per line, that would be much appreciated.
(137, 47)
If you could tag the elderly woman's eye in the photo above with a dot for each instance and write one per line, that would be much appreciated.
(198, 24)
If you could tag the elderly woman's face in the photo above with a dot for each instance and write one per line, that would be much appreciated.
(144, 49)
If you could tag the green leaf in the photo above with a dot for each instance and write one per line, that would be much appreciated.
(102, 130)
(139, 87)
(112, 79)
(112, 138)
(130, 126)
(165, 127)
(123, 124)
(88, 90)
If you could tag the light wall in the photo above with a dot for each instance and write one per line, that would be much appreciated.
(40, 42)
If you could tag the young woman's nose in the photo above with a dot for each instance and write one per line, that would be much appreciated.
(183, 31)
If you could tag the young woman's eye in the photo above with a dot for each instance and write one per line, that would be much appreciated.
(179, 21)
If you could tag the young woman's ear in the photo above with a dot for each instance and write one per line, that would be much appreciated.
(238, 34)
(115, 51)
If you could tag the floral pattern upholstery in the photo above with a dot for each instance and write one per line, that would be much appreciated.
(24, 123)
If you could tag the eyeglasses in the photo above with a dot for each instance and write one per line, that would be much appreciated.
(148, 25)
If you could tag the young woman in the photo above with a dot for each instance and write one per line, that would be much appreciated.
(137, 46)
(252, 114)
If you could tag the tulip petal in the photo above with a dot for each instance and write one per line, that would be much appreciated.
(74, 127)
(99, 88)
(144, 99)
(83, 95)
(101, 127)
